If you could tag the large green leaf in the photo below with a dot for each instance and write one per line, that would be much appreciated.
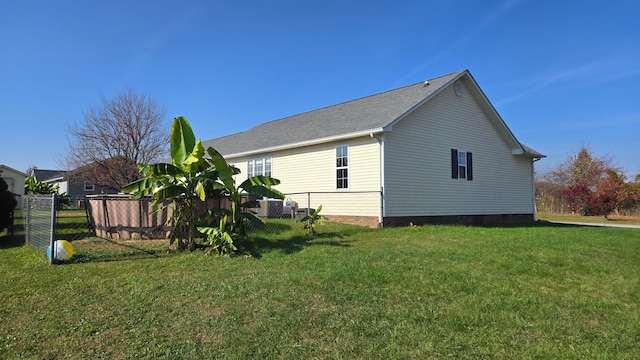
(169, 193)
(261, 185)
(141, 188)
(252, 218)
(200, 191)
(163, 169)
(266, 192)
(182, 141)
(195, 161)
(143, 169)
(261, 180)
(225, 172)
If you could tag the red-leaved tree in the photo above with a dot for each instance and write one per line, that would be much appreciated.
(577, 197)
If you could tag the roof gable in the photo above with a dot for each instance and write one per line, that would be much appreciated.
(370, 114)
(367, 114)
(10, 169)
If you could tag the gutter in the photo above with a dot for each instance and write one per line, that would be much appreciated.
(306, 143)
(381, 176)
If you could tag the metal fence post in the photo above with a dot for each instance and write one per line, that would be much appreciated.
(308, 213)
(52, 243)
(26, 213)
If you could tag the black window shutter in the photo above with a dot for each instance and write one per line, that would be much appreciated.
(469, 167)
(454, 163)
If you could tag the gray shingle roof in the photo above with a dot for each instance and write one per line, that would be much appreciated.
(44, 175)
(369, 113)
(358, 117)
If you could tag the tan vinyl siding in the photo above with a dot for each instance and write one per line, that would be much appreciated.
(313, 169)
(418, 163)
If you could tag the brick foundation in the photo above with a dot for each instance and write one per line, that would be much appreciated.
(474, 220)
(369, 221)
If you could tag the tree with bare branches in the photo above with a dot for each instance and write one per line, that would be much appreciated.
(107, 144)
(582, 168)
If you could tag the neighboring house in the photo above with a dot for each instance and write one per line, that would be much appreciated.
(15, 179)
(76, 188)
(431, 152)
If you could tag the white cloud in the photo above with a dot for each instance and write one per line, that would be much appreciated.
(593, 73)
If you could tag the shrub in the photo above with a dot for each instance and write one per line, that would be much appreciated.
(7, 204)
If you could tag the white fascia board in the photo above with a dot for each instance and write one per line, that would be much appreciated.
(52, 180)
(306, 143)
(495, 117)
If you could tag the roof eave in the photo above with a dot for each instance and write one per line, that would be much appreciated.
(306, 143)
(528, 152)
(14, 170)
(55, 179)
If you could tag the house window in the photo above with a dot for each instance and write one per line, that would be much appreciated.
(89, 187)
(259, 166)
(342, 167)
(267, 166)
(461, 165)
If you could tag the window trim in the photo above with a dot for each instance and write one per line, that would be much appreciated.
(266, 166)
(342, 168)
(89, 187)
(456, 167)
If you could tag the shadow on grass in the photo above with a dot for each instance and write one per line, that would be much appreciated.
(272, 228)
(71, 231)
(258, 245)
(119, 251)
(9, 241)
(74, 236)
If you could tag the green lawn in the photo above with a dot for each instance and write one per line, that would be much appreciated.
(435, 292)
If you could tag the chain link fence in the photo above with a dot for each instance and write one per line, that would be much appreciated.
(48, 218)
(355, 207)
(39, 213)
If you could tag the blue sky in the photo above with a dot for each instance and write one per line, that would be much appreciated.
(562, 74)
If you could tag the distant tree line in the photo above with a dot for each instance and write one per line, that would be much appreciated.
(586, 184)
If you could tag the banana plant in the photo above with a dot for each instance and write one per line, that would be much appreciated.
(313, 220)
(31, 186)
(192, 176)
(188, 178)
(219, 238)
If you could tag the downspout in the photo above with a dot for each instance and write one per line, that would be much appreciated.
(533, 189)
(380, 177)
